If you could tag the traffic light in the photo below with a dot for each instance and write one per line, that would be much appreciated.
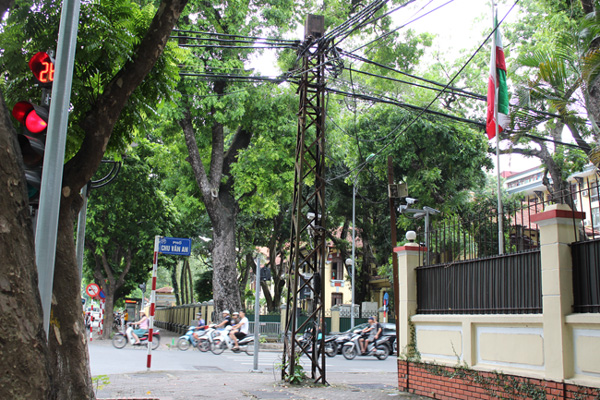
(42, 66)
(34, 118)
(32, 141)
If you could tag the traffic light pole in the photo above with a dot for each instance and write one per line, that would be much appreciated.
(52, 172)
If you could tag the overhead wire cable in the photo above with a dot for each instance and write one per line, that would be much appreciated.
(401, 26)
(452, 88)
(366, 60)
(456, 91)
(235, 77)
(406, 105)
(427, 108)
(371, 21)
(216, 46)
(236, 36)
(210, 39)
(344, 26)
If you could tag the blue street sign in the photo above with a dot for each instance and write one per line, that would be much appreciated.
(386, 296)
(176, 246)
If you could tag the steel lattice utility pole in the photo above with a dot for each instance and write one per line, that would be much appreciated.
(308, 251)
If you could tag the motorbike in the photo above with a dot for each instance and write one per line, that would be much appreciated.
(222, 341)
(342, 339)
(380, 349)
(188, 340)
(331, 347)
(206, 340)
(120, 339)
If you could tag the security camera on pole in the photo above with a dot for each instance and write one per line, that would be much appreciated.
(414, 213)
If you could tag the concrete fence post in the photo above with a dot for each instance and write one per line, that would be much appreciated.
(557, 224)
(210, 308)
(408, 261)
(335, 319)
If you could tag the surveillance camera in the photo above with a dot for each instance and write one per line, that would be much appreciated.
(410, 200)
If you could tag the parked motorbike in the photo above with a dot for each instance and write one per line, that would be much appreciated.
(222, 341)
(188, 340)
(331, 347)
(380, 349)
(342, 339)
(120, 339)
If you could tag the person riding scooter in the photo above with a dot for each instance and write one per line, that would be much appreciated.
(201, 326)
(239, 330)
(373, 331)
(143, 325)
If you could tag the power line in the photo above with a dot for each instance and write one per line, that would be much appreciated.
(215, 46)
(426, 109)
(365, 23)
(356, 20)
(237, 77)
(235, 36)
(452, 90)
(400, 27)
(406, 105)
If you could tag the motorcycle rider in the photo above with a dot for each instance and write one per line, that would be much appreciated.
(226, 320)
(240, 330)
(373, 331)
(201, 325)
(143, 325)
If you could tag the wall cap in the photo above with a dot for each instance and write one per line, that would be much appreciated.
(557, 211)
(410, 247)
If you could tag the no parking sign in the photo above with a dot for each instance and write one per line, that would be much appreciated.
(92, 290)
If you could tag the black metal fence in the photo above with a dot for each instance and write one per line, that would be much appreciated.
(507, 284)
(462, 273)
(476, 236)
(586, 276)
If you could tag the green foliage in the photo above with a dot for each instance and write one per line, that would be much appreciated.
(203, 286)
(298, 375)
(99, 381)
(495, 384)
(124, 217)
(108, 33)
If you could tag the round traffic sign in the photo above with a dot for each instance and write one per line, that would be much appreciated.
(92, 289)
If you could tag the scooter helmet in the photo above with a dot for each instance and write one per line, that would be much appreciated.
(226, 312)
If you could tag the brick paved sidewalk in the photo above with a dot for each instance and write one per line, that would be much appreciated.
(214, 383)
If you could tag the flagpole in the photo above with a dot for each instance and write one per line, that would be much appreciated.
(499, 188)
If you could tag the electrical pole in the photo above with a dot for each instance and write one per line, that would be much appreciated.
(390, 173)
(308, 245)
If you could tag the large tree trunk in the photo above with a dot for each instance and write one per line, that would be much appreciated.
(67, 339)
(221, 206)
(25, 371)
(225, 288)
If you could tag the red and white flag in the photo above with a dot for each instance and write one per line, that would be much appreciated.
(497, 90)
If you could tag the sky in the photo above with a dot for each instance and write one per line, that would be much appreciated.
(457, 24)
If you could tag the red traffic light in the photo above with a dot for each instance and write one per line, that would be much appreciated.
(34, 118)
(42, 67)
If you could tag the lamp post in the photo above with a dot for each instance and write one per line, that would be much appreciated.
(353, 260)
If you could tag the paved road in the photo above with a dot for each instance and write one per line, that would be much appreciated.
(105, 359)
(178, 375)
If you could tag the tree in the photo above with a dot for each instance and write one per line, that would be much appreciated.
(111, 84)
(26, 371)
(123, 218)
(549, 78)
(440, 161)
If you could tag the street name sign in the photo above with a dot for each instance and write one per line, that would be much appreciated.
(175, 246)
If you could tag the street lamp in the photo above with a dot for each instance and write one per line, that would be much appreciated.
(353, 260)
